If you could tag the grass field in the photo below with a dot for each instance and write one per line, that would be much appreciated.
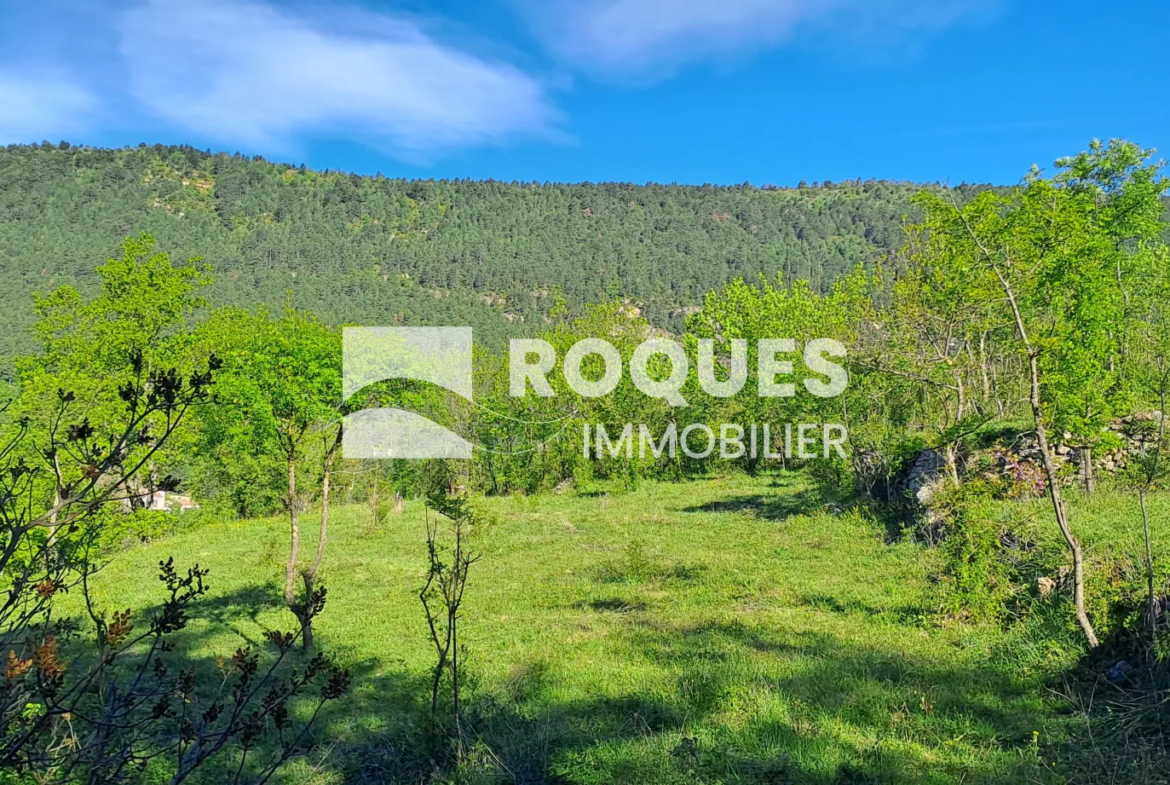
(719, 631)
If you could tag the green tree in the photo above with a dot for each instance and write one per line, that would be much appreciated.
(281, 390)
(1030, 245)
(143, 313)
(1148, 369)
(70, 464)
(767, 311)
(1099, 281)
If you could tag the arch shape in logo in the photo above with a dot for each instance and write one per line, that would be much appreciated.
(438, 355)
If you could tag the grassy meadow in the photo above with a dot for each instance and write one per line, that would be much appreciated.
(724, 630)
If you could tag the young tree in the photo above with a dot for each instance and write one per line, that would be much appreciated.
(746, 314)
(143, 310)
(1029, 245)
(281, 388)
(450, 556)
(938, 329)
(1117, 190)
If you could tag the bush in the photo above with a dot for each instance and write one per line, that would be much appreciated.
(975, 572)
(833, 477)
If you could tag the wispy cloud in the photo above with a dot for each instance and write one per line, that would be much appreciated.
(635, 38)
(273, 75)
(42, 105)
(267, 76)
(248, 72)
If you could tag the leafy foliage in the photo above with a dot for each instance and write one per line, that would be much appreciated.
(99, 700)
(378, 250)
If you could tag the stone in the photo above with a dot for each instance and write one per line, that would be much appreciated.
(1045, 586)
(919, 481)
(921, 478)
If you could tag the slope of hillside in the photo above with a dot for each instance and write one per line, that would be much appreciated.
(380, 250)
(788, 644)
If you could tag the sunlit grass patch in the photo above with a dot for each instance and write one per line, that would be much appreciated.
(671, 634)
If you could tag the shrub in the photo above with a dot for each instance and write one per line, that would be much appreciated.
(975, 573)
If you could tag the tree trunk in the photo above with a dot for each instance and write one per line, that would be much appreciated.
(461, 566)
(983, 374)
(309, 576)
(58, 497)
(374, 499)
(294, 549)
(1054, 496)
(952, 460)
(1151, 478)
(307, 620)
(453, 621)
(1088, 479)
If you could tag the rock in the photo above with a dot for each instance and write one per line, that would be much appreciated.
(1045, 586)
(1118, 672)
(918, 483)
(921, 478)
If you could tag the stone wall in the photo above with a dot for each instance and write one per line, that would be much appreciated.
(1136, 435)
(1018, 458)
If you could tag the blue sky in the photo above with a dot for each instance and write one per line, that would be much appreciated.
(694, 91)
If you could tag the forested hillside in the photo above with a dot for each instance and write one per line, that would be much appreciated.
(381, 251)
(940, 556)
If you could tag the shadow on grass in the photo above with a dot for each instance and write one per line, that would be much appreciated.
(771, 508)
(732, 705)
(830, 710)
(903, 614)
(612, 605)
(205, 651)
(246, 602)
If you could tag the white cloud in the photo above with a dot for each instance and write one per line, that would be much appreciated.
(248, 73)
(39, 106)
(627, 38)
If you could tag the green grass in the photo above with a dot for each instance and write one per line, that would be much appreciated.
(719, 631)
